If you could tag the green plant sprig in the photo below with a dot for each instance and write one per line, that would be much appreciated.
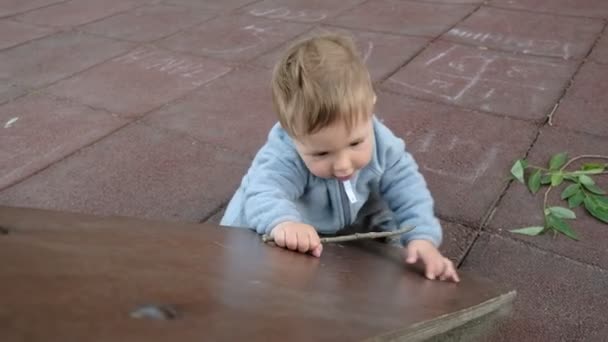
(583, 190)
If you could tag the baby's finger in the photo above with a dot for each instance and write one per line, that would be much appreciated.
(450, 272)
(412, 255)
(317, 251)
(279, 237)
(314, 240)
(291, 240)
(303, 242)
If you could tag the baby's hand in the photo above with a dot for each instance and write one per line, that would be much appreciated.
(297, 236)
(435, 264)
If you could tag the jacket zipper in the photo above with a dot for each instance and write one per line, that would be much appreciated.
(345, 204)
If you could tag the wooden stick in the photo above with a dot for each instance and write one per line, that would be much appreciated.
(356, 236)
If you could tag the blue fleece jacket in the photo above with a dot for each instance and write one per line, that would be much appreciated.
(278, 187)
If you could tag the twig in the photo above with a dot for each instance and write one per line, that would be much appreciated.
(356, 236)
(550, 116)
(592, 156)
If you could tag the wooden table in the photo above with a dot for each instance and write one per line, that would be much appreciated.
(75, 277)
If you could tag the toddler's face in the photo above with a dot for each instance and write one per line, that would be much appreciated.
(336, 152)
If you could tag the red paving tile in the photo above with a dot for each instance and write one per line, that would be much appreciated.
(600, 51)
(404, 17)
(13, 33)
(77, 12)
(148, 23)
(215, 115)
(139, 171)
(461, 153)
(38, 130)
(140, 80)
(528, 33)
(557, 299)
(307, 11)
(585, 8)
(585, 105)
(383, 53)
(456, 240)
(9, 90)
(11, 7)
(54, 57)
(234, 37)
(520, 86)
(217, 6)
(519, 208)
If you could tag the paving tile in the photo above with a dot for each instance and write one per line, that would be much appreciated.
(217, 6)
(215, 115)
(148, 23)
(9, 90)
(77, 12)
(13, 33)
(600, 51)
(234, 37)
(139, 81)
(520, 86)
(456, 240)
(383, 53)
(307, 11)
(461, 153)
(455, 2)
(519, 208)
(585, 8)
(557, 299)
(139, 171)
(38, 130)
(585, 105)
(11, 7)
(528, 33)
(404, 17)
(55, 57)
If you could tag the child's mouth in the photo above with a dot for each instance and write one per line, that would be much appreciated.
(342, 179)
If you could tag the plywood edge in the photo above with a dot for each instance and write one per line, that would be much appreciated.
(441, 324)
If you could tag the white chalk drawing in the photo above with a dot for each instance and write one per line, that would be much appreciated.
(164, 62)
(257, 34)
(547, 47)
(452, 78)
(422, 144)
(10, 122)
(287, 14)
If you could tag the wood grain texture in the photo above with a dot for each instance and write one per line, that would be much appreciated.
(74, 277)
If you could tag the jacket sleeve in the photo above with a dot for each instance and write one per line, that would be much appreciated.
(275, 182)
(405, 190)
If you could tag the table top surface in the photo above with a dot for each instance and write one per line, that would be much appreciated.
(67, 276)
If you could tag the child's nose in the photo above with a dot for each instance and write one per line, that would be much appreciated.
(342, 166)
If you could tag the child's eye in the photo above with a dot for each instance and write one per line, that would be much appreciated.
(320, 154)
(355, 143)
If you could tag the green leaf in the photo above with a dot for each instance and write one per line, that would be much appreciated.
(562, 212)
(557, 179)
(602, 201)
(571, 177)
(584, 179)
(594, 209)
(588, 172)
(534, 182)
(561, 226)
(557, 161)
(517, 170)
(593, 188)
(576, 200)
(593, 166)
(532, 231)
(545, 179)
(570, 191)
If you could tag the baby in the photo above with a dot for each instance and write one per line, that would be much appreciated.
(328, 158)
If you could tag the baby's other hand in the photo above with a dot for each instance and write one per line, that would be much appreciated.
(297, 237)
(436, 265)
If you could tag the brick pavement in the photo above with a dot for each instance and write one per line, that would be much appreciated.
(153, 108)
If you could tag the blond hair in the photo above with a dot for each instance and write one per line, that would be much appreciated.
(320, 81)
